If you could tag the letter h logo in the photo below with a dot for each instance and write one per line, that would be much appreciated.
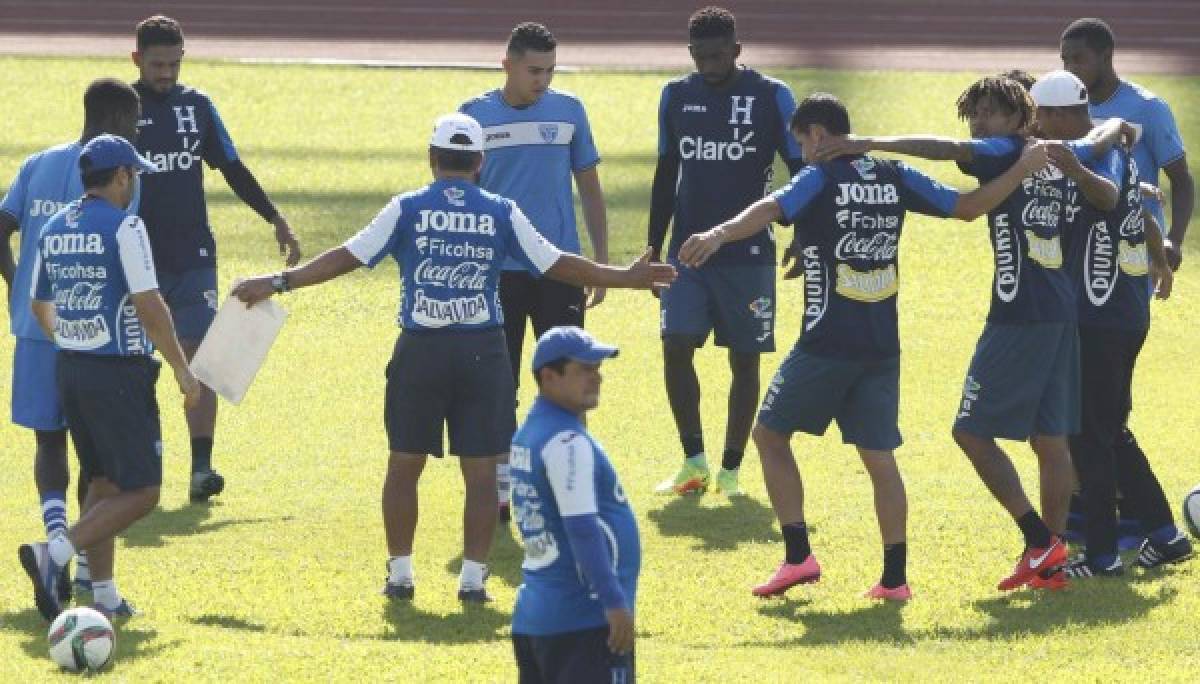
(189, 119)
(744, 110)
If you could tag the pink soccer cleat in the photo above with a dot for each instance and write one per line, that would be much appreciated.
(789, 575)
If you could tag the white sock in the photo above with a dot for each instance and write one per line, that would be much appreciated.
(104, 593)
(82, 571)
(61, 549)
(472, 575)
(400, 570)
(503, 481)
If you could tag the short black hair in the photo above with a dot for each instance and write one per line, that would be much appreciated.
(1007, 93)
(158, 30)
(455, 160)
(559, 366)
(1021, 76)
(531, 36)
(106, 97)
(824, 109)
(1095, 33)
(98, 178)
(712, 22)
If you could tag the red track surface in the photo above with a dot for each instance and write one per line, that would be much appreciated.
(1153, 35)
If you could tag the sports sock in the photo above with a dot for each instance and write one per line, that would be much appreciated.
(732, 459)
(61, 549)
(795, 540)
(503, 482)
(1037, 535)
(895, 562)
(83, 572)
(400, 570)
(54, 512)
(104, 593)
(697, 461)
(1165, 534)
(1103, 561)
(693, 445)
(202, 454)
(472, 575)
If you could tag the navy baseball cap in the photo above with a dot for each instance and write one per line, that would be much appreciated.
(570, 342)
(112, 151)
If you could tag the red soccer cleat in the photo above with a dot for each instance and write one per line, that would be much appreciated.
(788, 576)
(901, 593)
(1034, 561)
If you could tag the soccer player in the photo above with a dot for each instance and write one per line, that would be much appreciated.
(574, 618)
(849, 212)
(180, 128)
(1087, 47)
(1111, 256)
(450, 365)
(537, 140)
(47, 182)
(1023, 380)
(719, 130)
(94, 293)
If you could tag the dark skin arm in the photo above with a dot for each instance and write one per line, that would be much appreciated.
(662, 204)
(926, 147)
(1183, 203)
(1101, 192)
(8, 267)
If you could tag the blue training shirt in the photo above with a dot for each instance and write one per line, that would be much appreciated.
(848, 214)
(1158, 143)
(176, 132)
(559, 471)
(530, 156)
(450, 239)
(726, 141)
(90, 258)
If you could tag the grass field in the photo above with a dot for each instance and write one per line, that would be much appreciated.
(277, 579)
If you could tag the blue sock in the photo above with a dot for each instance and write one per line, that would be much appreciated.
(54, 512)
(1103, 561)
(1165, 534)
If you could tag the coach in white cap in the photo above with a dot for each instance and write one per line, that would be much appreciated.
(450, 367)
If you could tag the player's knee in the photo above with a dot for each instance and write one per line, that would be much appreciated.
(969, 443)
(768, 441)
(52, 444)
(744, 365)
(679, 348)
(147, 498)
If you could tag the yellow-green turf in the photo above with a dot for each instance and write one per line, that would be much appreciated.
(278, 578)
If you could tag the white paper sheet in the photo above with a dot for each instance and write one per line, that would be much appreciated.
(236, 346)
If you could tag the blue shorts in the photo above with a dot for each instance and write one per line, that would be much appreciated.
(1023, 381)
(35, 399)
(192, 298)
(808, 392)
(737, 302)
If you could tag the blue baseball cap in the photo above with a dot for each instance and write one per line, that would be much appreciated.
(112, 151)
(570, 342)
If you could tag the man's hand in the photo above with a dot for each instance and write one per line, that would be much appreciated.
(1151, 191)
(1061, 156)
(1034, 157)
(620, 630)
(595, 295)
(1163, 280)
(254, 290)
(1129, 135)
(289, 246)
(189, 386)
(791, 255)
(700, 247)
(1174, 254)
(838, 146)
(646, 274)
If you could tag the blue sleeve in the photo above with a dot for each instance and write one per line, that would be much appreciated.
(1084, 151)
(786, 102)
(795, 197)
(666, 136)
(14, 199)
(924, 195)
(583, 149)
(135, 202)
(1162, 135)
(1110, 166)
(590, 546)
(992, 157)
(218, 146)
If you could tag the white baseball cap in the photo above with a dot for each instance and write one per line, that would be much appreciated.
(1059, 89)
(447, 127)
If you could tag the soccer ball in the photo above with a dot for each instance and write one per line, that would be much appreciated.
(81, 639)
(1191, 511)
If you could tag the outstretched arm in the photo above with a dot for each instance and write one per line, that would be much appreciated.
(581, 272)
(595, 217)
(988, 196)
(925, 147)
(700, 247)
(328, 265)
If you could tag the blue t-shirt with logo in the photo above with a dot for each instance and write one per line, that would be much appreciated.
(726, 141)
(91, 257)
(176, 132)
(450, 239)
(1029, 284)
(1158, 143)
(530, 156)
(1107, 253)
(848, 214)
(559, 471)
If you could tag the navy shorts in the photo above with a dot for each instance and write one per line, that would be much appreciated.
(112, 412)
(735, 302)
(580, 657)
(35, 401)
(192, 298)
(808, 392)
(1023, 381)
(459, 382)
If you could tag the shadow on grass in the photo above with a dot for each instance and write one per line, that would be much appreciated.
(722, 528)
(154, 529)
(132, 642)
(475, 623)
(227, 622)
(877, 622)
(504, 562)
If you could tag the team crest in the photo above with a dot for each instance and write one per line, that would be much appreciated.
(865, 168)
(455, 196)
(761, 307)
(548, 131)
